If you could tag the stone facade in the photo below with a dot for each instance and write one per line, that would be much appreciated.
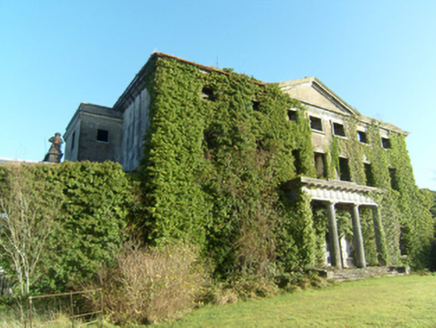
(94, 134)
(99, 133)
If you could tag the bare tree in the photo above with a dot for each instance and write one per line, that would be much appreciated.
(28, 208)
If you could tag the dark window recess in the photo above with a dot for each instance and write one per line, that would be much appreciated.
(344, 169)
(255, 104)
(386, 144)
(207, 94)
(394, 179)
(73, 140)
(338, 129)
(292, 115)
(369, 175)
(315, 123)
(297, 161)
(403, 249)
(102, 135)
(362, 137)
(320, 165)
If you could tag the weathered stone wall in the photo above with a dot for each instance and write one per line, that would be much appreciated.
(135, 124)
(70, 150)
(97, 151)
(84, 127)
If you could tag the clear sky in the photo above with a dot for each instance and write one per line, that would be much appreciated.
(379, 56)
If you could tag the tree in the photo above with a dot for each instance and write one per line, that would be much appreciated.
(28, 209)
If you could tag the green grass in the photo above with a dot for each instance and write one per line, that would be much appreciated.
(379, 302)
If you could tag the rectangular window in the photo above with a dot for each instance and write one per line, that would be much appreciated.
(315, 123)
(361, 136)
(292, 115)
(344, 169)
(102, 135)
(338, 129)
(394, 178)
(73, 140)
(255, 104)
(320, 165)
(369, 175)
(297, 161)
(207, 94)
(386, 144)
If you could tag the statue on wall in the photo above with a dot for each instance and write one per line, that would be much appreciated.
(54, 154)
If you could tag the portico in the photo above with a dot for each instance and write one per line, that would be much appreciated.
(333, 193)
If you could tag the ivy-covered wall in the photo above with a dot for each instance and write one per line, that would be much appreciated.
(94, 202)
(218, 149)
(405, 215)
(218, 152)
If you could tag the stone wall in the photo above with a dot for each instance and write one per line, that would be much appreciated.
(135, 124)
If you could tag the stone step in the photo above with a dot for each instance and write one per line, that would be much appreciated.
(340, 275)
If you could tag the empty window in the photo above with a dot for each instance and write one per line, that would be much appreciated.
(255, 104)
(338, 129)
(102, 135)
(207, 94)
(394, 178)
(369, 175)
(361, 136)
(292, 115)
(344, 169)
(386, 144)
(320, 165)
(297, 161)
(73, 140)
(315, 123)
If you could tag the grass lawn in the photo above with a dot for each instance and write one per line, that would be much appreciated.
(379, 302)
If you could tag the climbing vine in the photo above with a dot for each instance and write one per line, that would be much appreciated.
(219, 152)
(405, 218)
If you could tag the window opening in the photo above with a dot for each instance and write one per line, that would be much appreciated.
(338, 129)
(297, 161)
(292, 115)
(255, 104)
(73, 139)
(207, 94)
(394, 178)
(386, 144)
(315, 123)
(369, 175)
(344, 169)
(102, 135)
(361, 135)
(320, 165)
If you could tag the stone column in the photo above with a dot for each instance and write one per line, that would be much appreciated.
(335, 251)
(380, 238)
(358, 239)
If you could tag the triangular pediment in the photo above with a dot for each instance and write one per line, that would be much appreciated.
(312, 91)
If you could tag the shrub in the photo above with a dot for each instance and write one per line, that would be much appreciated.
(149, 285)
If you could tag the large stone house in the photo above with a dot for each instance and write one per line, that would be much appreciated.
(347, 181)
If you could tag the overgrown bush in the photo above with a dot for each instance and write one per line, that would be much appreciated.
(149, 285)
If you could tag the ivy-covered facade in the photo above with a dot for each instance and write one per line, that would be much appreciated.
(264, 177)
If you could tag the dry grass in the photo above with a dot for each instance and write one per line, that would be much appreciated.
(151, 285)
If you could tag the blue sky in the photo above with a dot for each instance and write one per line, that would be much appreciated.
(379, 56)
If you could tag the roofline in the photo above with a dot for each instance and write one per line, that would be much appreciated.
(77, 112)
(335, 96)
(363, 118)
(142, 72)
(10, 161)
(322, 88)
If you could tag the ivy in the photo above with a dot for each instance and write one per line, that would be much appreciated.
(405, 216)
(218, 154)
(95, 203)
